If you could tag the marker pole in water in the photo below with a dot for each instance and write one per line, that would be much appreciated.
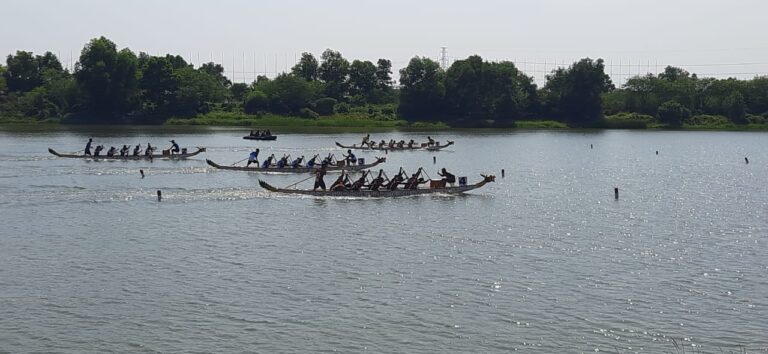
(434, 159)
(159, 195)
(502, 173)
(616, 192)
(746, 160)
(590, 146)
(657, 152)
(142, 173)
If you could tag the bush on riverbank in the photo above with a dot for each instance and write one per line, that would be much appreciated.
(272, 120)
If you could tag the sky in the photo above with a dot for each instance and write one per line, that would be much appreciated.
(710, 37)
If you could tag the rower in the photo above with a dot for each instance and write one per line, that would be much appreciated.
(174, 147)
(413, 181)
(357, 185)
(377, 182)
(447, 177)
(410, 144)
(136, 150)
(111, 151)
(282, 162)
(392, 185)
(338, 185)
(269, 133)
(365, 140)
(430, 141)
(319, 182)
(296, 163)
(382, 143)
(148, 150)
(351, 159)
(88, 147)
(98, 149)
(253, 157)
(124, 150)
(312, 161)
(268, 161)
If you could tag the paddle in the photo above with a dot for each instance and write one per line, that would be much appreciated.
(299, 182)
(240, 161)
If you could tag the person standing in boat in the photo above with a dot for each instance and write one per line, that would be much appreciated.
(174, 147)
(319, 182)
(430, 141)
(88, 147)
(447, 177)
(350, 157)
(365, 140)
(253, 157)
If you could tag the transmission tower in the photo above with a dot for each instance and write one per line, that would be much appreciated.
(444, 58)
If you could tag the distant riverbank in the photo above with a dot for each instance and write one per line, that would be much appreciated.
(362, 122)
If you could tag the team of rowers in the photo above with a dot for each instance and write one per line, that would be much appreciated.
(125, 150)
(261, 133)
(381, 181)
(392, 144)
(286, 162)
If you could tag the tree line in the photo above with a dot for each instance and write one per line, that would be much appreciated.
(111, 85)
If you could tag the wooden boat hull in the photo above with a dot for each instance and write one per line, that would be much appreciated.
(271, 137)
(303, 169)
(404, 148)
(131, 157)
(379, 193)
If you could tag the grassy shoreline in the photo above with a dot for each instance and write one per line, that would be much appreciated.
(362, 122)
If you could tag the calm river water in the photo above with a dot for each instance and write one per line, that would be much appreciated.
(544, 260)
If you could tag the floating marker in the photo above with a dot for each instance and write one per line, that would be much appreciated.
(657, 152)
(434, 159)
(160, 195)
(590, 146)
(746, 160)
(502, 173)
(142, 173)
(616, 192)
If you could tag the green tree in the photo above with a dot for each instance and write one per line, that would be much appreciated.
(306, 68)
(198, 92)
(422, 89)
(362, 78)
(673, 113)
(239, 91)
(383, 74)
(325, 106)
(574, 93)
(736, 108)
(255, 102)
(25, 71)
(159, 85)
(672, 73)
(289, 94)
(107, 77)
(217, 72)
(333, 73)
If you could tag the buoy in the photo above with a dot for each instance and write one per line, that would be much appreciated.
(746, 160)
(616, 192)
(159, 195)
(502, 173)
(434, 159)
(590, 146)
(657, 152)
(142, 173)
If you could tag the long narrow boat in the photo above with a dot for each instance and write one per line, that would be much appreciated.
(131, 157)
(381, 193)
(259, 137)
(303, 169)
(436, 147)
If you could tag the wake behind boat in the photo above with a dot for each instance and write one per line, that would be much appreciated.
(165, 155)
(341, 165)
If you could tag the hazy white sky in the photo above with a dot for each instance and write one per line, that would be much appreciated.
(705, 36)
